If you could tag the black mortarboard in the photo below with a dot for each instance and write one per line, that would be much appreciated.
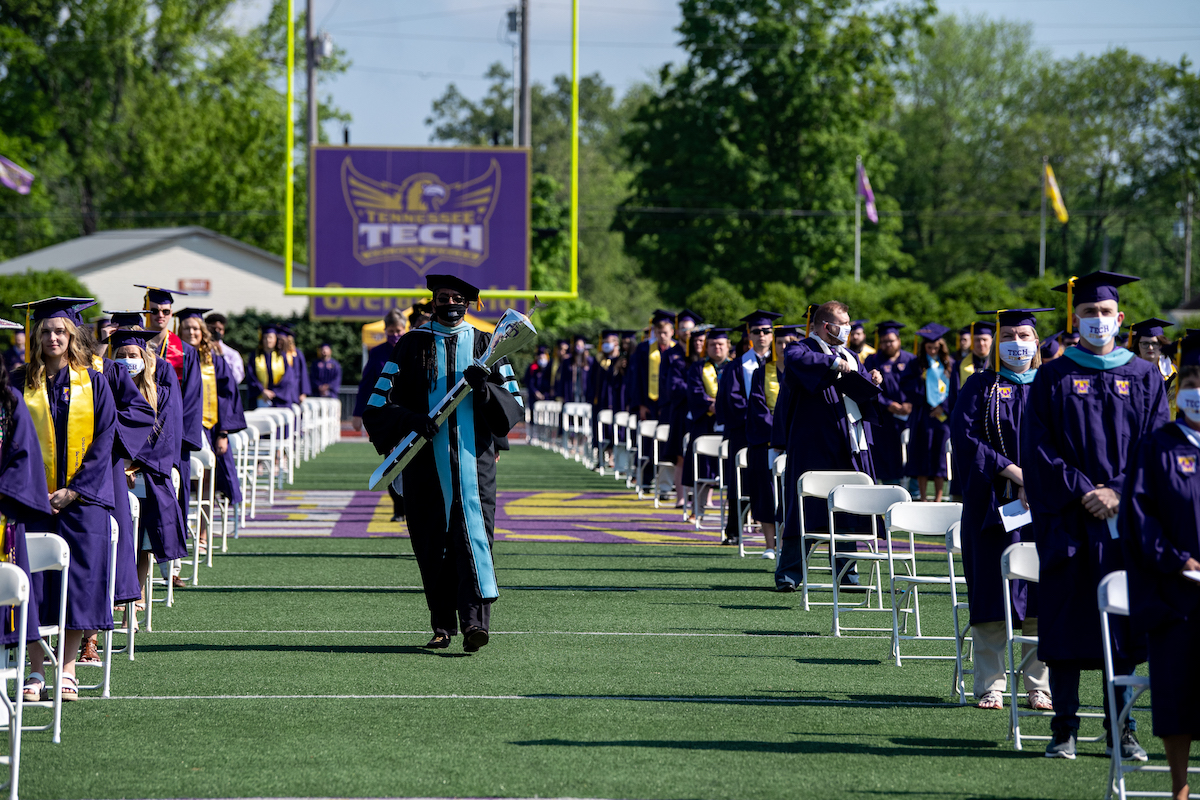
(121, 338)
(453, 282)
(1121, 338)
(627, 333)
(1095, 287)
(52, 307)
(284, 330)
(989, 328)
(759, 317)
(1069, 336)
(158, 295)
(662, 315)
(1050, 347)
(717, 333)
(1151, 327)
(5, 325)
(687, 313)
(859, 324)
(187, 313)
(889, 326)
(789, 330)
(271, 327)
(579, 337)
(607, 332)
(1009, 317)
(933, 331)
(541, 348)
(127, 319)
(1189, 349)
(965, 330)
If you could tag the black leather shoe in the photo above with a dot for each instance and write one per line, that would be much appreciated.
(438, 642)
(473, 639)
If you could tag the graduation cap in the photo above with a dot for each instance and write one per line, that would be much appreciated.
(1187, 349)
(886, 327)
(188, 313)
(607, 332)
(930, 333)
(758, 318)
(579, 337)
(1150, 327)
(454, 283)
(126, 319)
(1121, 338)
(965, 330)
(687, 313)
(563, 341)
(1069, 336)
(662, 315)
(1010, 318)
(717, 333)
(1093, 288)
(5, 325)
(789, 330)
(859, 324)
(158, 295)
(270, 327)
(52, 307)
(284, 330)
(541, 348)
(103, 316)
(121, 338)
(627, 333)
(1050, 347)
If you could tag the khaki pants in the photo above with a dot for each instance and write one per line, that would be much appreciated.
(990, 656)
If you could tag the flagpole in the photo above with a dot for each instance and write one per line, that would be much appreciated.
(1042, 246)
(857, 219)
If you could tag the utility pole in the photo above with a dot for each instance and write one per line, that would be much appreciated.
(1042, 246)
(857, 220)
(1187, 250)
(526, 90)
(310, 66)
(514, 26)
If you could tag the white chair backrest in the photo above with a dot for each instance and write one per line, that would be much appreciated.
(114, 530)
(780, 465)
(663, 432)
(866, 499)
(197, 465)
(175, 479)
(605, 417)
(708, 445)
(724, 449)
(743, 458)
(206, 458)
(954, 538)
(620, 419)
(819, 483)
(1113, 593)
(1020, 560)
(928, 519)
(47, 551)
(14, 585)
(646, 427)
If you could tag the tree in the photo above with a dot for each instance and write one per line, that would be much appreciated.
(744, 157)
(30, 285)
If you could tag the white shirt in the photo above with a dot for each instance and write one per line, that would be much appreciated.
(234, 359)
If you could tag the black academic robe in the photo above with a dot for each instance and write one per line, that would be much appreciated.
(455, 473)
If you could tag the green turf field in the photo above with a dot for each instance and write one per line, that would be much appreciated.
(614, 671)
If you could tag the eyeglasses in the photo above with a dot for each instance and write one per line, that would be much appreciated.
(160, 312)
(452, 299)
(760, 331)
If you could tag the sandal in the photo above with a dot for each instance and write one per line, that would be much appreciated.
(993, 700)
(35, 684)
(70, 688)
(1039, 700)
(88, 654)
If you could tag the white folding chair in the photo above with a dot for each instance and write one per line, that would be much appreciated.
(819, 483)
(604, 429)
(662, 433)
(206, 502)
(778, 473)
(130, 629)
(916, 519)
(962, 642)
(707, 446)
(742, 500)
(645, 432)
(106, 653)
(862, 501)
(1020, 562)
(1113, 598)
(620, 443)
(49, 552)
(14, 594)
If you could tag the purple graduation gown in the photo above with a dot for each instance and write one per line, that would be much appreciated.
(670, 408)
(887, 450)
(760, 486)
(274, 382)
(162, 516)
(376, 358)
(135, 420)
(537, 381)
(1082, 428)
(23, 500)
(192, 399)
(733, 399)
(326, 372)
(1160, 529)
(230, 419)
(700, 422)
(982, 452)
(84, 524)
(927, 435)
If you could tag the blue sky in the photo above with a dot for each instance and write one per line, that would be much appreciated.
(405, 53)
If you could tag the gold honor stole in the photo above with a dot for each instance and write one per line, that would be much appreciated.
(655, 365)
(966, 369)
(81, 424)
(708, 374)
(771, 385)
(260, 369)
(208, 380)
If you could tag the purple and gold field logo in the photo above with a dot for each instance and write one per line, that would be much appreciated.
(1122, 387)
(1082, 385)
(1186, 464)
(1006, 392)
(422, 220)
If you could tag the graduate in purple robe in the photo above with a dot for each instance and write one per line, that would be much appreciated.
(1087, 412)
(828, 411)
(893, 406)
(656, 381)
(72, 411)
(537, 376)
(377, 356)
(703, 381)
(326, 376)
(985, 427)
(759, 485)
(1160, 528)
(23, 494)
(266, 372)
(297, 366)
(926, 384)
(687, 323)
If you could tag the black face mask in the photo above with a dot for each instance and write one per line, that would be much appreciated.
(452, 313)
(217, 336)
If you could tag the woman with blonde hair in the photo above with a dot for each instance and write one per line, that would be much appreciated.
(72, 410)
(266, 375)
(927, 385)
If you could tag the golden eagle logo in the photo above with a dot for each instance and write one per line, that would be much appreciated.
(1186, 464)
(421, 221)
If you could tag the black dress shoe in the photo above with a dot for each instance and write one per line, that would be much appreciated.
(473, 639)
(438, 642)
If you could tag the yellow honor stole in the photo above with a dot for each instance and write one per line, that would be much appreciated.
(655, 366)
(208, 380)
(260, 369)
(708, 374)
(771, 385)
(81, 413)
(965, 370)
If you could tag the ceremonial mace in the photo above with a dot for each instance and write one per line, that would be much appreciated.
(513, 332)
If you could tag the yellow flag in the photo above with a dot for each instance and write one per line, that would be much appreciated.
(1060, 210)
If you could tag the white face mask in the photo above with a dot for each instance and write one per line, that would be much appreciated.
(134, 365)
(1018, 354)
(1098, 331)
(543, 360)
(608, 347)
(843, 333)
(1188, 401)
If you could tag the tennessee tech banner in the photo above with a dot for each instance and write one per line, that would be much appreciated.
(384, 217)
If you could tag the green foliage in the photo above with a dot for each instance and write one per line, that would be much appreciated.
(783, 299)
(344, 337)
(549, 219)
(720, 303)
(30, 285)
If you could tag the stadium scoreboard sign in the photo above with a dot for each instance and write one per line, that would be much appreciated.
(385, 217)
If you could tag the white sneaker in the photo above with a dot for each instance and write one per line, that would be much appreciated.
(769, 555)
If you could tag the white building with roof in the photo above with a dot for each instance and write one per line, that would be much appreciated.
(216, 271)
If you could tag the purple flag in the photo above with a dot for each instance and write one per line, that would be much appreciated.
(14, 177)
(864, 188)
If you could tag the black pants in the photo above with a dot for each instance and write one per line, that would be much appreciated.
(1064, 689)
(448, 575)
